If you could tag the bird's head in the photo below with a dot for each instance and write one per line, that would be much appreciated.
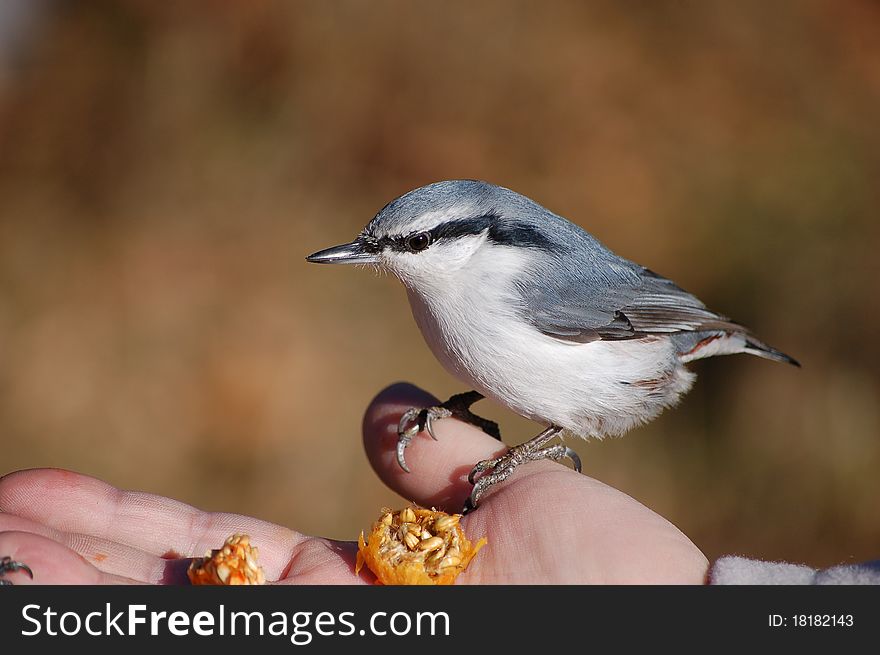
(433, 234)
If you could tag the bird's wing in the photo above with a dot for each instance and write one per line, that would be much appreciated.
(610, 300)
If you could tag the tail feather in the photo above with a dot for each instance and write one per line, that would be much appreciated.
(761, 349)
(710, 343)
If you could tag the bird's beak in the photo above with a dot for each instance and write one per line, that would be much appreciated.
(356, 252)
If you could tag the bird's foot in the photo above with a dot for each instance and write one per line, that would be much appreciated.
(492, 471)
(418, 419)
(8, 565)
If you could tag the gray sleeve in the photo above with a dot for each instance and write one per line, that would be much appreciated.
(734, 570)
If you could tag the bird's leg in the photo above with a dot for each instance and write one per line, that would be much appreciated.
(458, 406)
(8, 565)
(493, 471)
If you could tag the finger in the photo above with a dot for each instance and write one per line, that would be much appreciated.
(161, 527)
(439, 468)
(544, 505)
(110, 557)
(137, 536)
(50, 562)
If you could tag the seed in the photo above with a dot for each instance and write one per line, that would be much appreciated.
(437, 555)
(407, 515)
(223, 572)
(433, 543)
(411, 540)
(425, 534)
(450, 560)
(386, 518)
(445, 523)
(410, 528)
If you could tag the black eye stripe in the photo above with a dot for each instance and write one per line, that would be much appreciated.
(502, 232)
(463, 227)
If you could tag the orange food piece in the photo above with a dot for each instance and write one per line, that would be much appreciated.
(233, 564)
(416, 546)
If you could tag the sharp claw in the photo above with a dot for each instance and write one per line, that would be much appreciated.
(429, 425)
(7, 565)
(401, 459)
(575, 460)
(403, 423)
(472, 476)
(404, 437)
(469, 505)
(483, 465)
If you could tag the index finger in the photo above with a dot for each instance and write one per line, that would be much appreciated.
(438, 469)
(75, 503)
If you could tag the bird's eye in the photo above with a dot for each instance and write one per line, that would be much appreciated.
(418, 242)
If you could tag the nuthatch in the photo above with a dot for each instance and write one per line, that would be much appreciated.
(529, 309)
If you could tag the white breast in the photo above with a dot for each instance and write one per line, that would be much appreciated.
(594, 389)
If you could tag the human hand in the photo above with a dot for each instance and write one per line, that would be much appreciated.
(545, 525)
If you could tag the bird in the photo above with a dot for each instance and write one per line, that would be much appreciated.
(530, 310)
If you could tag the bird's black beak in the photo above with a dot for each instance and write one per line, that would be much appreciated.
(356, 252)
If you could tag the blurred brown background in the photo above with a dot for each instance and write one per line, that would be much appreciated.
(165, 168)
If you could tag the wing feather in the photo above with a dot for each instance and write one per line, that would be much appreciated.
(622, 301)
